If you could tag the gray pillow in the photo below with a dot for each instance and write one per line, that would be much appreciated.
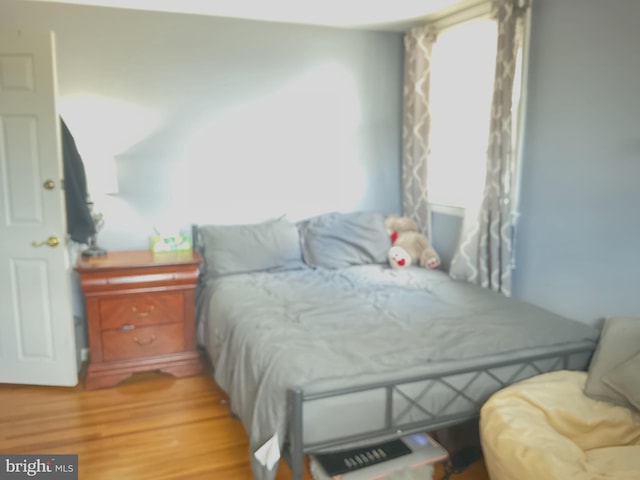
(625, 379)
(228, 249)
(619, 343)
(338, 240)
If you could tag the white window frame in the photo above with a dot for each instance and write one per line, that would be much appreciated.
(482, 9)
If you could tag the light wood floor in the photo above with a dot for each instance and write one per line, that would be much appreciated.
(150, 427)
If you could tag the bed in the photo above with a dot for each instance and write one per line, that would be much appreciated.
(320, 345)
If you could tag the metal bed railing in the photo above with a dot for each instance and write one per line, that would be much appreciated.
(527, 366)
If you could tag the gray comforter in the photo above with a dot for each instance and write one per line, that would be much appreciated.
(267, 332)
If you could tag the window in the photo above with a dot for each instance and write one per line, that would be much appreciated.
(462, 77)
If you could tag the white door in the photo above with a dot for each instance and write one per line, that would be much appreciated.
(36, 323)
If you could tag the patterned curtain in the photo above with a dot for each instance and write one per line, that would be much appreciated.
(485, 255)
(416, 121)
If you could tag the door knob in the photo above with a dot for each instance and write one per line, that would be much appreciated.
(52, 241)
(49, 185)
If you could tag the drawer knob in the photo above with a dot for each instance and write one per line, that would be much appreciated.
(145, 342)
(143, 314)
(126, 328)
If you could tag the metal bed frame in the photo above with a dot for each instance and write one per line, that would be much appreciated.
(296, 448)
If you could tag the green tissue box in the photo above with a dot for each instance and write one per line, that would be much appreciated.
(177, 243)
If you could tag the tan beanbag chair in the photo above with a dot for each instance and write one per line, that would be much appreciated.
(545, 428)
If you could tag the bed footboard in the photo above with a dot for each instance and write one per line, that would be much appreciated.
(405, 407)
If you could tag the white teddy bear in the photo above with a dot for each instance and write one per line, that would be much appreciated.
(409, 245)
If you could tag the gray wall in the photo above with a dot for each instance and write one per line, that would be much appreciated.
(577, 241)
(192, 106)
(216, 120)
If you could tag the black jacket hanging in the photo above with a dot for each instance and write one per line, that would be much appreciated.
(80, 225)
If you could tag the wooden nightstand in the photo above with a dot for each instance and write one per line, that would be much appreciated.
(140, 314)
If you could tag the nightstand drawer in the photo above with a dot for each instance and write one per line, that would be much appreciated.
(142, 342)
(141, 310)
